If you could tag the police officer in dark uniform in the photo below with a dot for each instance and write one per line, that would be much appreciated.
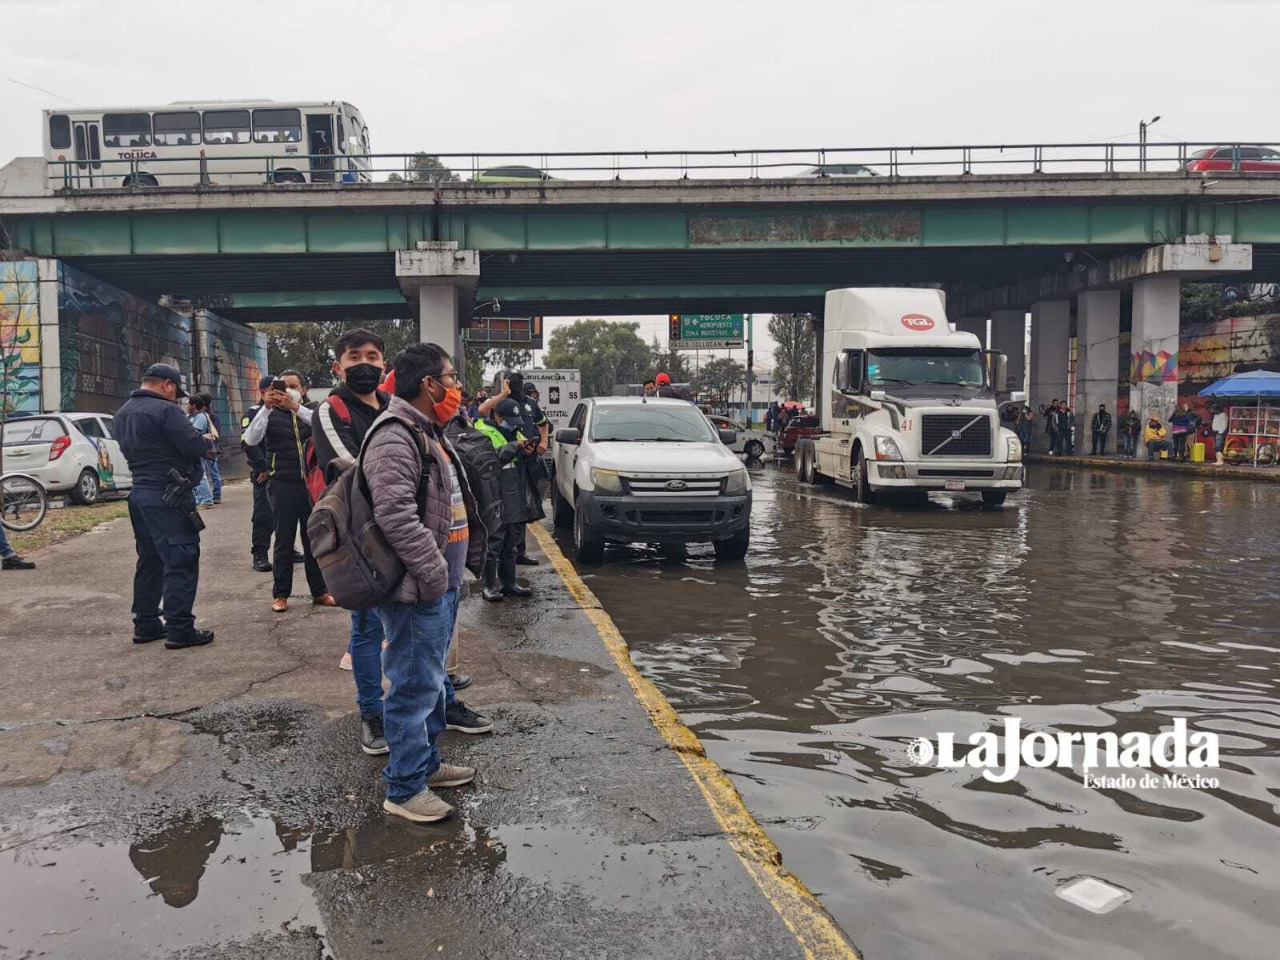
(536, 421)
(259, 472)
(156, 437)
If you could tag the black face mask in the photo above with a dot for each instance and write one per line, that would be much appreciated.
(363, 378)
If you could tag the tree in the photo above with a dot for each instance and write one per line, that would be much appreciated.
(426, 168)
(606, 353)
(672, 362)
(307, 346)
(795, 359)
(720, 377)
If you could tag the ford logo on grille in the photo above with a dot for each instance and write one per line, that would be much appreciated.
(676, 485)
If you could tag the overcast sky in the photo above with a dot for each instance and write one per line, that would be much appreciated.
(557, 75)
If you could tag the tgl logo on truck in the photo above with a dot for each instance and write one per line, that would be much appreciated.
(917, 321)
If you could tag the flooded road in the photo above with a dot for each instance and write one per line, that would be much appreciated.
(1091, 602)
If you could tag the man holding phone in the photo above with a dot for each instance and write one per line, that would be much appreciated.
(283, 426)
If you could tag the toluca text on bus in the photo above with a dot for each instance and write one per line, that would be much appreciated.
(214, 142)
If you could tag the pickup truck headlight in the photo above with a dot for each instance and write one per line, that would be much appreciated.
(1014, 446)
(606, 481)
(737, 482)
(887, 449)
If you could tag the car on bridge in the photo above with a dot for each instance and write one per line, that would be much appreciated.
(651, 470)
(1241, 158)
(842, 171)
(514, 174)
(74, 454)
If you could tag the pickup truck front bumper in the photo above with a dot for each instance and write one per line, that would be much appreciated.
(631, 519)
(933, 475)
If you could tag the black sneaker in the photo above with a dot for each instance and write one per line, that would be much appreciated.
(261, 564)
(460, 717)
(298, 557)
(17, 563)
(527, 561)
(460, 681)
(147, 636)
(373, 737)
(196, 638)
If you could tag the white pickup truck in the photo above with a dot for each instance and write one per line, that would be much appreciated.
(653, 470)
(908, 405)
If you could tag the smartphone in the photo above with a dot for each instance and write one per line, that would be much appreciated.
(279, 385)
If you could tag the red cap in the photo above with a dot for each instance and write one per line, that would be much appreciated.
(662, 379)
(389, 384)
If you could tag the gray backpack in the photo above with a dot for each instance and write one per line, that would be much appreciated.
(360, 568)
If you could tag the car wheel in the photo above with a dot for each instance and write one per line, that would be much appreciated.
(993, 498)
(86, 489)
(862, 486)
(588, 543)
(561, 511)
(735, 548)
(754, 449)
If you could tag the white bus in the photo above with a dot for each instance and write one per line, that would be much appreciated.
(218, 142)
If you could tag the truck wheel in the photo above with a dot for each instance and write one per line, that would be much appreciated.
(862, 486)
(561, 511)
(993, 498)
(735, 548)
(588, 543)
(803, 465)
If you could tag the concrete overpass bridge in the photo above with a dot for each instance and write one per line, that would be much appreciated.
(1000, 244)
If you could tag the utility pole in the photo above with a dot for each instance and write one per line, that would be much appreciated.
(750, 359)
(1142, 141)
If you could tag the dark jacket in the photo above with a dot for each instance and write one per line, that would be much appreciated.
(520, 500)
(286, 443)
(332, 436)
(254, 453)
(156, 436)
(483, 465)
(1132, 425)
(395, 472)
(1101, 422)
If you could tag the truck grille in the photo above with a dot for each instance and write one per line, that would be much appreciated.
(938, 435)
(649, 486)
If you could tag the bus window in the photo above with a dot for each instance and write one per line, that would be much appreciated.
(59, 131)
(277, 126)
(177, 129)
(82, 150)
(226, 126)
(126, 129)
(341, 139)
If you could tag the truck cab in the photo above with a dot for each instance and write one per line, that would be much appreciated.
(907, 404)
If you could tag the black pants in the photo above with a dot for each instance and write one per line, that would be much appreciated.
(1099, 444)
(291, 506)
(168, 568)
(263, 523)
(504, 542)
(521, 549)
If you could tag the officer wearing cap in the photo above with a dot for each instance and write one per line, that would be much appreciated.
(156, 437)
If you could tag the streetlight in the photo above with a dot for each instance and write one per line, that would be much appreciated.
(1142, 141)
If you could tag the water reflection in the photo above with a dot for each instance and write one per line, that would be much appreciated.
(1093, 601)
(172, 861)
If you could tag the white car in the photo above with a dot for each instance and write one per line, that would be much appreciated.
(752, 445)
(652, 470)
(71, 453)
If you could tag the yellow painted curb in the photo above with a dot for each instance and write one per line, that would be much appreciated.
(818, 935)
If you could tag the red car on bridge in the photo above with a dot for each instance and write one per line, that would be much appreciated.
(1243, 159)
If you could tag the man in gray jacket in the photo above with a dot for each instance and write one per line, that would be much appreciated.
(424, 507)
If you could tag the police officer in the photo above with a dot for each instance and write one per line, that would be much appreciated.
(157, 437)
(259, 471)
(534, 419)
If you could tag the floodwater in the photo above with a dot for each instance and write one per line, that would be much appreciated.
(1091, 602)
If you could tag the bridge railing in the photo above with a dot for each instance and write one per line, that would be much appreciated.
(140, 167)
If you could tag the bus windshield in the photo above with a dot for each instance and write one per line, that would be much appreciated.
(896, 366)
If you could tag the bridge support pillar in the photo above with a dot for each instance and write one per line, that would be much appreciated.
(1153, 363)
(1097, 360)
(1009, 336)
(437, 273)
(1050, 358)
(975, 325)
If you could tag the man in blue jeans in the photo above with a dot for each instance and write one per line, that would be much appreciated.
(9, 559)
(425, 509)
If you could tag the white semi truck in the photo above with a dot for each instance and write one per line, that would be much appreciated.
(907, 404)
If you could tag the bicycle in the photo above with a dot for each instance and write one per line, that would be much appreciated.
(23, 502)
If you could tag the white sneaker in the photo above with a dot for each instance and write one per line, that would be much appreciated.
(345, 662)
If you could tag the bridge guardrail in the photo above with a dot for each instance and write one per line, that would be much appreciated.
(141, 168)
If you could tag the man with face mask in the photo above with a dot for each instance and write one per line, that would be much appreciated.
(283, 426)
(424, 507)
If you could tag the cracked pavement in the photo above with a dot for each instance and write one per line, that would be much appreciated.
(214, 803)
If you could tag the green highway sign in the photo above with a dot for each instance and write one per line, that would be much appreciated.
(707, 331)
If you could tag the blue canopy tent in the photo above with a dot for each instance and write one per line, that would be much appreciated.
(1256, 384)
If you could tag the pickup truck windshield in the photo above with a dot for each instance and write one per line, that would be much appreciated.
(906, 365)
(673, 423)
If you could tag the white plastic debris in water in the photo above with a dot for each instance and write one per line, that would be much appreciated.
(1092, 894)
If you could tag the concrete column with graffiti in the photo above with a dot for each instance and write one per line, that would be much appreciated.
(1153, 367)
(1097, 360)
(1050, 360)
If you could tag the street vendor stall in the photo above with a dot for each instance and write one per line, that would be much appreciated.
(1253, 429)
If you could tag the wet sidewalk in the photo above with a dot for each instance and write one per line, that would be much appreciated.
(214, 802)
(1259, 474)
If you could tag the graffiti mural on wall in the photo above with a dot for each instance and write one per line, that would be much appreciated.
(108, 337)
(19, 338)
(1217, 347)
(1148, 367)
(230, 359)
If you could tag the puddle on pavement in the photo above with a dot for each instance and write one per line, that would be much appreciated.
(1090, 602)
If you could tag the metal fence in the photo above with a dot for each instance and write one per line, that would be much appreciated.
(816, 163)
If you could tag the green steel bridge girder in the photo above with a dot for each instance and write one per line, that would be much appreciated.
(691, 228)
